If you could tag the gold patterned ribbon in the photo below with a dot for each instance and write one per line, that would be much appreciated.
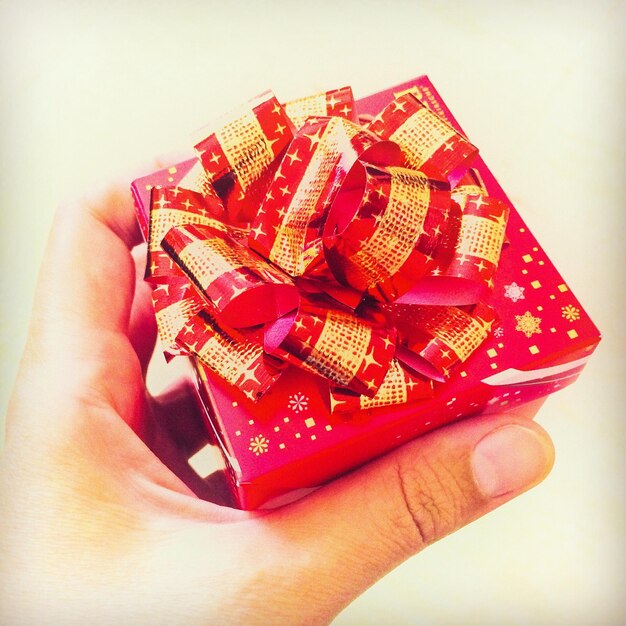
(358, 253)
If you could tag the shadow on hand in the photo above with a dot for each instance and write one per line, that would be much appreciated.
(176, 432)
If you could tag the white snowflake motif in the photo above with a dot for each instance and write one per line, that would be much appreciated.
(514, 292)
(298, 402)
(498, 332)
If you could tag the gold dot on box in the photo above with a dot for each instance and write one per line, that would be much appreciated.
(535, 284)
(572, 334)
(462, 374)
(276, 429)
(329, 427)
(527, 258)
(250, 422)
(237, 433)
(494, 366)
(491, 352)
(535, 249)
(563, 288)
(500, 345)
(539, 308)
(281, 446)
(172, 170)
(286, 420)
(298, 435)
(533, 350)
(235, 403)
(313, 437)
(309, 422)
(524, 271)
(553, 330)
(552, 296)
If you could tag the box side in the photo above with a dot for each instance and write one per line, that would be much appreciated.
(276, 447)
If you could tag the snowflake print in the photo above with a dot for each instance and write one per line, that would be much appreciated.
(570, 313)
(259, 444)
(528, 324)
(498, 332)
(514, 292)
(298, 402)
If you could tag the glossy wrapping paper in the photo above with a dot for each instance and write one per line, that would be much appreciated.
(344, 277)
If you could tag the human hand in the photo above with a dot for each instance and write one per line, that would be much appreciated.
(96, 529)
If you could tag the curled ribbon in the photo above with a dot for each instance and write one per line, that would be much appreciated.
(358, 252)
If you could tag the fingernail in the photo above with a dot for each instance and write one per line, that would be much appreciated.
(509, 459)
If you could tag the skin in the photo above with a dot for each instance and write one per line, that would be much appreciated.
(94, 528)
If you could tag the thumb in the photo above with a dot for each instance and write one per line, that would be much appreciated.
(355, 530)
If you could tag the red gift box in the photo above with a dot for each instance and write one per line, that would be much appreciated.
(290, 440)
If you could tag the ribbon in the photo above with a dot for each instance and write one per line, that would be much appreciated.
(358, 252)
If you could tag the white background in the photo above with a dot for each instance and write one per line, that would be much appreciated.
(94, 89)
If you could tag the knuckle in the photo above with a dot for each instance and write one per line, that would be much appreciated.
(432, 502)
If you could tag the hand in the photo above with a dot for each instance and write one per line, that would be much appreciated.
(96, 529)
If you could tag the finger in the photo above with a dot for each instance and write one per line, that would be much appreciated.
(87, 280)
(355, 530)
(142, 328)
(87, 277)
(78, 336)
(77, 342)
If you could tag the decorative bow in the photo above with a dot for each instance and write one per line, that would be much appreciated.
(358, 252)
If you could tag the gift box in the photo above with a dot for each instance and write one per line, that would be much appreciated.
(295, 435)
